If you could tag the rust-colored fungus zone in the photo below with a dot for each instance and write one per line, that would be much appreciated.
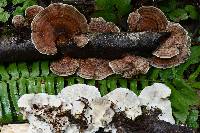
(130, 66)
(56, 24)
(32, 11)
(65, 66)
(100, 25)
(147, 18)
(93, 68)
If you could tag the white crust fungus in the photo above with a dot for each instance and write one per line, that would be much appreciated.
(80, 107)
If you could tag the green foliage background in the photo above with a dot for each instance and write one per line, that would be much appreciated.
(18, 5)
(17, 79)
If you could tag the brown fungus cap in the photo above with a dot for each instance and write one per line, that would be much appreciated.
(18, 21)
(65, 66)
(32, 11)
(93, 68)
(81, 40)
(56, 24)
(130, 66)
(179, 41)
(100, 25)
(147, 18)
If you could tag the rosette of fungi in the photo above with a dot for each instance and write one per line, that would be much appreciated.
(94, 68)
(54, 25)
(88, 68)
(175, 49)
(63, 25)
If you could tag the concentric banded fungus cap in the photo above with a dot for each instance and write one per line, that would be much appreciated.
(176, 48)
(65, 66)
(130, 66)
(18, 21)
(93, 68)
(100, 25)
(32, 11)
(147, 18)
(56, 24)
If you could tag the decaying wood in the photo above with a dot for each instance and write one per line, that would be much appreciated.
(103, 45)
(13, 49)
(113, 45)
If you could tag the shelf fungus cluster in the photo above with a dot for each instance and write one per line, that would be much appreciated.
(80, 108)
(175, 49)
(98, 49)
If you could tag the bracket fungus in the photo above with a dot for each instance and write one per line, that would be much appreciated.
(93, 68)
(98, 49)
(147, 18)
(65, 66)
(18, 21)
(175, 50)
(100, 25)
(80, 108)
(172, 51)
(55, 25)
(32, 11)
(130, 66)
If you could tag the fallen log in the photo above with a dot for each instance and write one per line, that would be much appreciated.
(113, 45)
(13, 49)
(101, 45)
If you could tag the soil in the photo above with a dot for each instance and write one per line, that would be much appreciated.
(146, 123)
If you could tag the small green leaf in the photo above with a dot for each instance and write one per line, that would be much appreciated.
(111, 10)
(104, 5)
(192, 11)
(15, 2)
(108, 16)
(164, 6)
(103, 87)
(4, 16)
(18, 11)
(35, 72)
(192, 120)
(1, 10)
(178, 15)
(3, 73)
(3, 3)
(13, 71)
(180, 108)
(123, 7)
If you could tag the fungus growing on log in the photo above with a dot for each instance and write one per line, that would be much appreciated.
(175, 50)
(172, 51)
(147, 18)
(31, 12)
(55, 25)
(100, 25)
(18, 21)
(113, 45)
(130, 66)
(99, 49)
(93, 68)
(65, 66)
